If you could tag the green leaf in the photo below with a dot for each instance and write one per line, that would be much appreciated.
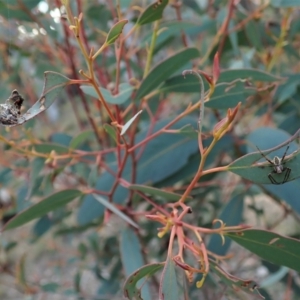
(236, 283)
(81, 138)
(168, 289)
(288, 89)
(229, 95)
(60, 138)
(285, 3)
(247, 166)
(53, 85)
(12, 10)
(182, 84)
(50, 287)
(233, 37)
(43, 207)
(128, 123)
(231, 215)
(164, 70)
(48, 147)
(252, 74)
(259, 172)
(153, 12)
(132, 258)
(13, 4)
(42, 226)
(254, 33)
(125, 91)
(115, 32)
(37, 166)
(115, 210)
(190, 84)
(111, 130)
(130, 249)
(156, 192)
(77, 280)
(167, 30)
(131, 291)
(270, 246)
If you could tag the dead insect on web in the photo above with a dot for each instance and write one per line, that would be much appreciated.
(10, 111)
(278, 167)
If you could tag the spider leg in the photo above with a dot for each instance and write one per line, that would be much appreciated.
(272, 179)
(287, 175)
(265, 156)
(285, 179)
(287, 148)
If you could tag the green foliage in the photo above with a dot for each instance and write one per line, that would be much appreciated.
(115, 32)
(270, 246)
(164, 70)
(42, 208)
(123, 178)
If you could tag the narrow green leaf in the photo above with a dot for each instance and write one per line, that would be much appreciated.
(111, 131)
(130, 248)
(131, 291)
(48, 147)
(115, 210)
(252, 74)
(190, 84)
(61, 138)
(153, 12)
(168, 289)
(115, 32)
(231, 281)
(189, 131)
(167, 31)
(21, 274)
(77, 280)
(182, 84)
(82, 137)
(285, 3)
(89, 90)
(50, 287)
(54, 83)
(37, 166)
(259, 172)
(43, 207)
(125, 91)
(128, 123)
(229, 95)
(42, 226)
(165, 69)
(248, 167)
(156, 192)
(288, 89)
(233, 37)
(277, 249)
(231, 215)
(132, 258)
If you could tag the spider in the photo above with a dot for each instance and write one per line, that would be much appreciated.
(278, 167)
(10, 111)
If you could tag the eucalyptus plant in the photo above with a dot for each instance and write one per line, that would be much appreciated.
(159, 128)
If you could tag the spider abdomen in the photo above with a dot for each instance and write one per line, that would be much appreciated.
(278, 169)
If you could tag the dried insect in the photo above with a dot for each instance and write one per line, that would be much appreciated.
(278, 167)
(10, 111)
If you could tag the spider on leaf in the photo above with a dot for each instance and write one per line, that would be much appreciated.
(278, 167)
